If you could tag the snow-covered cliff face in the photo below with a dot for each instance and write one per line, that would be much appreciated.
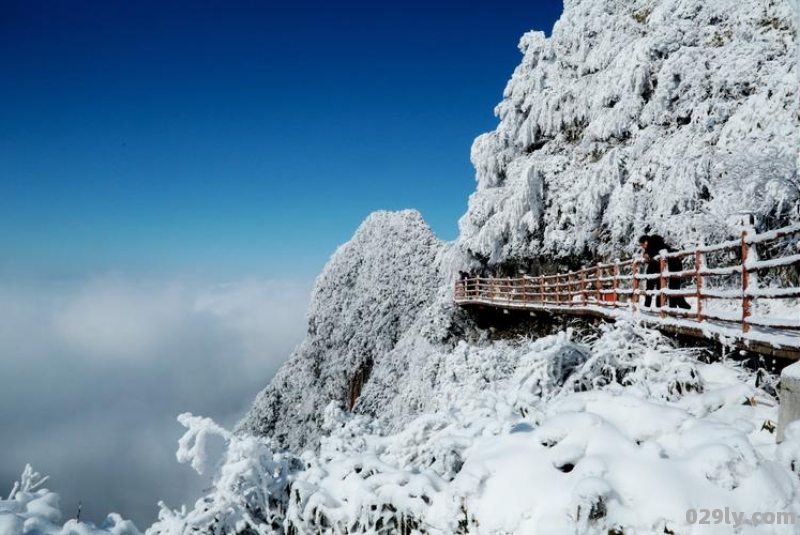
(369, 295)
(636, 115)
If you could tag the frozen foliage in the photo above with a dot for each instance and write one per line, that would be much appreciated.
(370, 293)
(250, 487)
(667, 115)
(33, 510)
(621, 434)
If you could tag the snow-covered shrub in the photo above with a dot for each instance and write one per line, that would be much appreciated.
(250, 486)
(629, 355)
(31, 509)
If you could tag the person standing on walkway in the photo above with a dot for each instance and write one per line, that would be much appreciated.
(652, 246)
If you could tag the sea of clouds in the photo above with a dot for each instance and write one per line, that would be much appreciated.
(94, 372)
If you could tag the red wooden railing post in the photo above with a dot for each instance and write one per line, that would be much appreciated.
(573, 291)
(597, 285)
(570, 301)
(635, 284)
(529, 290)
(745, 281)
(541, 290)
(558, 290)
(616, 281)
(698, 277)
(583, 286)
(662, 281)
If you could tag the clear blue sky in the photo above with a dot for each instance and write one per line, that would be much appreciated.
(238, 138)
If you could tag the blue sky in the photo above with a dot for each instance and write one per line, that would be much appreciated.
(229, 139)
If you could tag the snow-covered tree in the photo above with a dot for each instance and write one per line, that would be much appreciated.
(250, 484)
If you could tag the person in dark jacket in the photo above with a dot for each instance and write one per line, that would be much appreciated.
(652, 246)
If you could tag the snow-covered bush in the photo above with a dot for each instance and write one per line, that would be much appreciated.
(31, 509)
(250, 485)
(629, 355)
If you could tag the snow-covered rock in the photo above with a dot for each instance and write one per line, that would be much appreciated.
(637, 115)
(368, 296)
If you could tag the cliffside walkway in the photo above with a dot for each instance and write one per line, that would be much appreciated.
(737, 289)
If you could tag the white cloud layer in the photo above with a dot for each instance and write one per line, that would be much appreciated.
(93, 374)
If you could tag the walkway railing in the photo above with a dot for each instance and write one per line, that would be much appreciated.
(721, 281)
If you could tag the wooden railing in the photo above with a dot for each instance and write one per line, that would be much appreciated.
(731, 277)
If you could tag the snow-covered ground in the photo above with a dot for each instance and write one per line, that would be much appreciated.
(622, 433)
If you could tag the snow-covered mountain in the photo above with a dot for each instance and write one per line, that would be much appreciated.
(667, 114)
(640, 115)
